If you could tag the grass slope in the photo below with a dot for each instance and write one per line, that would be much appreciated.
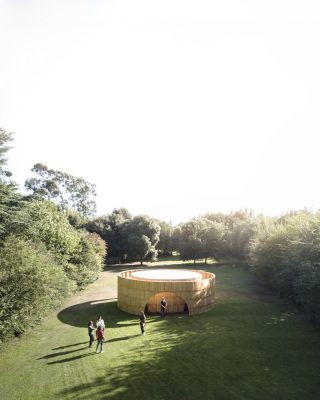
(245, 348)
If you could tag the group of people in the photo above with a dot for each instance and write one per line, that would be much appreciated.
(100, 326)
(143, 319)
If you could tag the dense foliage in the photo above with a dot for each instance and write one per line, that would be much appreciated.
(43, 257)
(283, 252)
(5, 138)
(128, 238)
(49, 246)
(67, 191)
(285, 255)
(31, 283)
(199, 239)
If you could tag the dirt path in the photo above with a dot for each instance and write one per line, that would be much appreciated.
(105, 287)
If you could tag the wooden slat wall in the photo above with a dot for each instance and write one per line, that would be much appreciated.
(133, 294)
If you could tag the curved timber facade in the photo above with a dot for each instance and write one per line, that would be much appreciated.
(185, 290)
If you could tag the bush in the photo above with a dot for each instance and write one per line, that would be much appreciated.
(307, 289)
(42, 222)
(285, 254)
(87, 261)
(80, 254)
(31, 283)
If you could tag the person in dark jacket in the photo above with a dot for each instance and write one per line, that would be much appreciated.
(90, 333)
(143, 321)
(163, 307)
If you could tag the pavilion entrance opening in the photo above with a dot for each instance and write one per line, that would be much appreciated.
(176, 304)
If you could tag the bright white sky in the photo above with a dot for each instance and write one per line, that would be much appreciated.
(174, 108)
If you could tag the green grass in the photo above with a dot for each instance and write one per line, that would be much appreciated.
(245, 348)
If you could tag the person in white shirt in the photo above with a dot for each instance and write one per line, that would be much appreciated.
(100, 322)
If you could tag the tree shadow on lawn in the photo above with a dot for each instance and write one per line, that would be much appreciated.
(227, 353)
(78, 315)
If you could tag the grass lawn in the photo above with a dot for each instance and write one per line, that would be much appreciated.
(248, 347)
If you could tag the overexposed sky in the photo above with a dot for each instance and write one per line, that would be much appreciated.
(173, 108)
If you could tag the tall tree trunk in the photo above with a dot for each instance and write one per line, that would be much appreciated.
(205, 260)
(194, 261)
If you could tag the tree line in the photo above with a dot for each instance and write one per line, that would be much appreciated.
(283, 252)
(51, 244)
(43, 257)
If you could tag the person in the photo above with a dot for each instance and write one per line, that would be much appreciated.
(143, 321)
(100, 339)
(100, 322)
(90, 333)
(163, 307)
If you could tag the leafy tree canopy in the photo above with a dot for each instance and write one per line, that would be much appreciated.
(5, 138)
(67, 191)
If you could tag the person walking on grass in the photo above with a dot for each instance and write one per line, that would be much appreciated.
(90, 333)
(143, 321)
(163, 307)
(100, 339)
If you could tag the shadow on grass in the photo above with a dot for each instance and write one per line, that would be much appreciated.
(118, 339)
(163, 263)
(69, 345)
(79, 314)
(65, 360)
(61, 353)
(228, 353)
(235, 351)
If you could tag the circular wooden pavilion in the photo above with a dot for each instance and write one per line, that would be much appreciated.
(185, 290)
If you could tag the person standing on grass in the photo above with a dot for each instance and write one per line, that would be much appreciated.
(100, 339)
(143, 321)
(90, 333)
(163, 307)
(100, 322)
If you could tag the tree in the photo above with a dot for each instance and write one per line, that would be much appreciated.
(211, 236)
(112, 229)
(42, 222)
(239, 227)
(68, 191)
(78, 253)
(76, 220)
(31, 283)
(140, 246)
(239, 237)
(86, 262)
(5, 138)
(10, 203)
(143, 234)
(285, 254)
(307, 289)
(199, 238)
(165, 245)
(189, 241)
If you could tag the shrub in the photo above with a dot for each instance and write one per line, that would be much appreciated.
(87, 260)
(31, 283)
(285, 254)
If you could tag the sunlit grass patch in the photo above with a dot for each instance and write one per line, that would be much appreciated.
(242, 349)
